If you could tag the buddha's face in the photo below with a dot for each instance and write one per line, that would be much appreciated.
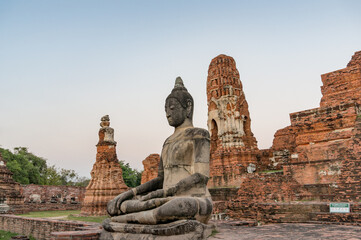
(175, 113)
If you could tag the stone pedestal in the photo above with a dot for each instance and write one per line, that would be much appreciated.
(106, 176)
(178, 230)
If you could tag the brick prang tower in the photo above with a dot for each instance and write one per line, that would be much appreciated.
(233, 145)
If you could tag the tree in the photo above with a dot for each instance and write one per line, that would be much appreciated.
(131, 177)
(28, 168)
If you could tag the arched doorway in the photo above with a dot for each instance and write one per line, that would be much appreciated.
(214, 135)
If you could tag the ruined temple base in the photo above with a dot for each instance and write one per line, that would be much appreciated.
(179, 230)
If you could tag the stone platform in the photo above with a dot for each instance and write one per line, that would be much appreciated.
(286, 231)
(182, 230)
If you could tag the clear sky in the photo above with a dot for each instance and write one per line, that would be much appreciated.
(65, 64)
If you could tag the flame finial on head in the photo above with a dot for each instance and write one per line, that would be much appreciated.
(181, 93)
(178, 83)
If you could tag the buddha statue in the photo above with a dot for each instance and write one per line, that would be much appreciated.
(180, 191)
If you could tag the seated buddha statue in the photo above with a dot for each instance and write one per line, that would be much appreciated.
(180, 190)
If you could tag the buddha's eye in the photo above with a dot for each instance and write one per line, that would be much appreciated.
(171, 107)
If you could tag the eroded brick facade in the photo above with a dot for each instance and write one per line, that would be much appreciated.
(233, 146)
(324, 143)
(150, 164)
(106, 176)
(318, 157)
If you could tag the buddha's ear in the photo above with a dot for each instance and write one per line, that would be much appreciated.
(189, 108)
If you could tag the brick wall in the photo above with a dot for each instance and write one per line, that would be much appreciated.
(42, 228)
(283, 212)
(46, 193)
(33, 207)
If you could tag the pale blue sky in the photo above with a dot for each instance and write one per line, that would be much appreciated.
(65, 64)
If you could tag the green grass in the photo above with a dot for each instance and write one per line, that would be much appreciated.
(8, 235)
(214, 232)
(47, 214)
(68, 215)
(98, 219)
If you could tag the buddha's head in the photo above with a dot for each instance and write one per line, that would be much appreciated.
(179, 105)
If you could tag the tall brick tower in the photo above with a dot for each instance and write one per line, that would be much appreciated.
(233, 145)
(106, 176)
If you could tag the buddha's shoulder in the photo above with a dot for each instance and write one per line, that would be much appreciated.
(197, 133)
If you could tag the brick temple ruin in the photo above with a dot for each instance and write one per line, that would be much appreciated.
(318, 158)
(233, 146)
(10, 191)
(106, 176)
(315, 160)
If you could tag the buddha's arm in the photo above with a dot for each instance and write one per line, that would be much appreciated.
(113, 207)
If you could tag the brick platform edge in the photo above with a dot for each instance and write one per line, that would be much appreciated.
(34, 207)
(289, 212)
(41, 228)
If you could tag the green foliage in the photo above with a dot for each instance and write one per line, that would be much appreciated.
(30, 169)
(8, 235)
(132, 177)
(72, 215)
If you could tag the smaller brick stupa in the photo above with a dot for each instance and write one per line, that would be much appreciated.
(106, 177)
(10, 191)
(150, 164)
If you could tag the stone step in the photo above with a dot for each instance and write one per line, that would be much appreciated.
(336, 217)
(234, 223)
(336, 223)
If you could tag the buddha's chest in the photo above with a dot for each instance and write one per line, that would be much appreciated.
(177, 153)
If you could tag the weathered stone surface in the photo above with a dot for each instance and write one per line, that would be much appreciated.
(150, 164)
(41, 228)
(233, 146)
(182, 229)
(10, 191)
(106, 176)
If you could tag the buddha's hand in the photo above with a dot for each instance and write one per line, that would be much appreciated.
(155, 194)
(113, 206)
